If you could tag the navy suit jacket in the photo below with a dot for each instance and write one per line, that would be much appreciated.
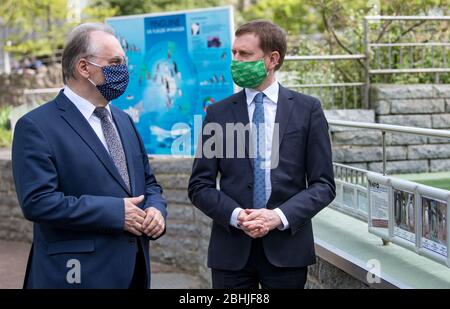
(302, 183)
(68, 185)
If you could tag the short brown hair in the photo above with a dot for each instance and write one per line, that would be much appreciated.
(271, 37)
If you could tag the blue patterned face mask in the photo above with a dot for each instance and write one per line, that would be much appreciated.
(116, 80)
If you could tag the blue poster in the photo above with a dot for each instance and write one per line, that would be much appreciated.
(179, 64)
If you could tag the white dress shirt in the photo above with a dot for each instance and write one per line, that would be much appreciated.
(87, 110)
(270, 110)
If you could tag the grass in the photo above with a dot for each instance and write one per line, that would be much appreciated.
(437, 183)
(438, 180)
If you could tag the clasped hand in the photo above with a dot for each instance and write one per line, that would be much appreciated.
(137, 221)
(258, 222)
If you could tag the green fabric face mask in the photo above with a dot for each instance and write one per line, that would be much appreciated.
(248, 74)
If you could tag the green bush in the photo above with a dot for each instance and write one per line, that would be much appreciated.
(5, 127)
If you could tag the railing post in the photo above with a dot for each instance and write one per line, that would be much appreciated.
(366, 63)
(383, 141)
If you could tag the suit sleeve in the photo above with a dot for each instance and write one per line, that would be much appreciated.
(202, 190)
(36, 180)
(303, 206)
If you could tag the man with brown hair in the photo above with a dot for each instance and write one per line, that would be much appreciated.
(262, 232)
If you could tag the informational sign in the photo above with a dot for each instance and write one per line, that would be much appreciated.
(379, 214)
(179, 64)
(379, 204)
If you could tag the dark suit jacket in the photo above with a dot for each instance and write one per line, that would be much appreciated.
(68, 185)
(302, 183)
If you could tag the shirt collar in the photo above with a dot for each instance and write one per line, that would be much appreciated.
(84, 106)
(271, 92)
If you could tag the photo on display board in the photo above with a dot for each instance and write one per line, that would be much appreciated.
(404, 215)
(434, 225)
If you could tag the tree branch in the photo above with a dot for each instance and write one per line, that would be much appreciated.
(330, 30)
(409, 30)
(383, 30)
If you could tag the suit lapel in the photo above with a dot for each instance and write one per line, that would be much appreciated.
(284, 108)
(78, 123)
(240, 111)
(121, 124)
(283, 114)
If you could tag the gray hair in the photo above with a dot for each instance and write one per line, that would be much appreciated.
(78, 45)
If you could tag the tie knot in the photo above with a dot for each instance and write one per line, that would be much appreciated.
(102, 113)
(259, 98)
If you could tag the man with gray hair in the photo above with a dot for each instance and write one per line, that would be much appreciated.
(83, 177)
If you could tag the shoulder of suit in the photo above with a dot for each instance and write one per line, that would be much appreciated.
(302, 98)
(118, 111)
(43, 111)
(226, 103)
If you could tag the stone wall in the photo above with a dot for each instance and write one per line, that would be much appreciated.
(324, 275)
(12, 85)
(426, 106)
(13, 226)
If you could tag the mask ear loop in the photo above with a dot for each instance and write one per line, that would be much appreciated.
(97, 65)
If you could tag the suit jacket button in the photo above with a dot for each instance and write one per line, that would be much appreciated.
(249, 186)
(131, 241)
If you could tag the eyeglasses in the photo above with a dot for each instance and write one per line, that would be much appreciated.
(113, 61)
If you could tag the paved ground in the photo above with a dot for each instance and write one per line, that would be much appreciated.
(14, 255)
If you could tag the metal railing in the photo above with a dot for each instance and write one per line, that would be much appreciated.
(375, 48)
(351, 191)
(383, 128)
(332, 90)
(39, 96)
(351, 182)
(353, 195)
(374, 65)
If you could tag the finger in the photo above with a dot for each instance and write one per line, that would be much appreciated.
(138, 219)
(258, 234)
(145, 223)
(157, 230)
(140, 212)
(136, 200)
(253, 224)
(137, 226)
(152, 232)
(157, 222)
(152, 221)
(252, 235)
(241, 216)
(262, 232)
(156, 235)
(134, 231)
(253, 215)
(153, 225)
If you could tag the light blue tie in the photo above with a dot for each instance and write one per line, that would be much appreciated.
(259, 174)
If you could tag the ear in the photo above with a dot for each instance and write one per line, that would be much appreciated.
(274, 58)
(82, 68)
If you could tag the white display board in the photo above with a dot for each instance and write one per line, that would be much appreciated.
(379, 199)
(409, 214)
